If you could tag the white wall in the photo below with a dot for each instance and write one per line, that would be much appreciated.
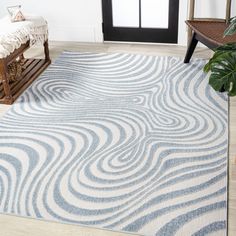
(80, 20)
(69, 20)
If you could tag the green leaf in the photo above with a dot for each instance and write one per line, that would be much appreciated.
(220, 52)
(233, 19)
(230, 30)
(232, 27)
(233, 89)
(222, 65)
(223, 72)
(217, 56)
(226, 47)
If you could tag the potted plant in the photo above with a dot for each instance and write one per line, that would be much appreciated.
(222, 65)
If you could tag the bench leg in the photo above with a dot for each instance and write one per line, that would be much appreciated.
(46, 51)
(191, 48)
(3, 71)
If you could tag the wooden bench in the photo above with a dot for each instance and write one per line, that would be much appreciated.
(32, 68)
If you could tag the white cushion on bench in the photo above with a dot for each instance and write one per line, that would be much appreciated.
(13, 35)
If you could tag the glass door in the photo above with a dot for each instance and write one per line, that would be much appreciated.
(141, 20)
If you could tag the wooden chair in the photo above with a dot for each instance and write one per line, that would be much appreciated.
(208, 31)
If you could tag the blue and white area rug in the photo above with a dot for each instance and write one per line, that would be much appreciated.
(123, 142)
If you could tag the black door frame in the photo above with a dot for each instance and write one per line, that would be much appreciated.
(157, 35)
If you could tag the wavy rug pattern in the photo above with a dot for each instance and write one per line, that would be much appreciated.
(124, 142)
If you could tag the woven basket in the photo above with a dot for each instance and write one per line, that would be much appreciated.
(14, 71)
